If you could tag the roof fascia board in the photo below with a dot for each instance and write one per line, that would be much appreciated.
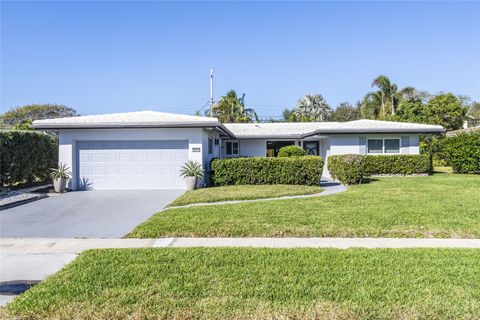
(343, 132)
(119, 125)
(379, 130)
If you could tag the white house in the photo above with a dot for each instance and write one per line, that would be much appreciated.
(145, 150)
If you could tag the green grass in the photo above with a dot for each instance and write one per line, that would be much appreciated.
(248, 192)
(234, 283)
(443, 205)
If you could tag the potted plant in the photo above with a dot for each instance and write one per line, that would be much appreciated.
(191, 171)
(60, 176)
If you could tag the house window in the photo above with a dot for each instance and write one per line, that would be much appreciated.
(392, 145)
(210, 145)
(375, 146)
(231, 148)
(379, 146)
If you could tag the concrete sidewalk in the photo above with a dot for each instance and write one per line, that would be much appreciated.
(22, 267)
(75, 246)
(35, 259)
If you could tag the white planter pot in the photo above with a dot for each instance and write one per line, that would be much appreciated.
(191, 182)
(60, 185)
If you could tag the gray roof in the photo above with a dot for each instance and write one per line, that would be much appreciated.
(143, 119)
(305, 129)
(289, 130)
(464, 130)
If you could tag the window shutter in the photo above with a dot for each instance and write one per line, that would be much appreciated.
(405, 145)
(362, 143)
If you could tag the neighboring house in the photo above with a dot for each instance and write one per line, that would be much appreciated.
(145, 150)
(465, 130)
(470, 122)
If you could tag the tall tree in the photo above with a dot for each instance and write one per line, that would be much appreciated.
(313, 107)
(21, 117)
(446, 110)
(412, 110)
(371, 106)
(289, 115)
(231, 108)
(346, 112)
(384, 102)
(474, 111)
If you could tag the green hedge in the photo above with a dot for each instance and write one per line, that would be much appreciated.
(463, 152)
(291, 170)
(396, 164)
(352, 168)
(291, 151)
(26, 156)
(348, 169)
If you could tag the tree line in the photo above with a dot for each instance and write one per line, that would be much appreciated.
(386, 102)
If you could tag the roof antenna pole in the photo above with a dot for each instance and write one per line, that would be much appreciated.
(211, 90)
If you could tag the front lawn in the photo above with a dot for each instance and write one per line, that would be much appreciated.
(242, 283)
(217, 194)
(443, 205)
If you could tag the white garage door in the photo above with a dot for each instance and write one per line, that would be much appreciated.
(131, 164)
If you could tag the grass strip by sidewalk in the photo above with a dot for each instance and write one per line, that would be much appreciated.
(249, 192)
(442, 205)
(246, 283)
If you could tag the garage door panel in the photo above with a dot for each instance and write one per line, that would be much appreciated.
(131, 164)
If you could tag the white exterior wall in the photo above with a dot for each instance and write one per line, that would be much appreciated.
(216, 150)
(414, 144)
(69, 137)
(350, 144)
(253, 148)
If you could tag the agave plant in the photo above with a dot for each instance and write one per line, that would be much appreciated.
(61, 172)
(191, 169)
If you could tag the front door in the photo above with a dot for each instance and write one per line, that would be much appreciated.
(311, 147)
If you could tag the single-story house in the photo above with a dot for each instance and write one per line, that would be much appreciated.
(145, 150)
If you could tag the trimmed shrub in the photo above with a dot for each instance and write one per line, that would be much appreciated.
(347, 168)
(439, 163)
(288, 170)
(26, 156)
(405, 164)
(291, 151)
(352, 168)
(463, 152)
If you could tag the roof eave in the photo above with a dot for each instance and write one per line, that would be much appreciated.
(379, 130)
(225, 130)
(343, 131)
(124, 125)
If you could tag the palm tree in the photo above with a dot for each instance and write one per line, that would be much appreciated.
(386, 100)
(230, 108)
(371, 106)
(313, 107)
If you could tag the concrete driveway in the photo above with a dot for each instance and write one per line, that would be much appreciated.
(84, 214)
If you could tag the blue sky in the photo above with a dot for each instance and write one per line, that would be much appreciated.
(102, 57)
